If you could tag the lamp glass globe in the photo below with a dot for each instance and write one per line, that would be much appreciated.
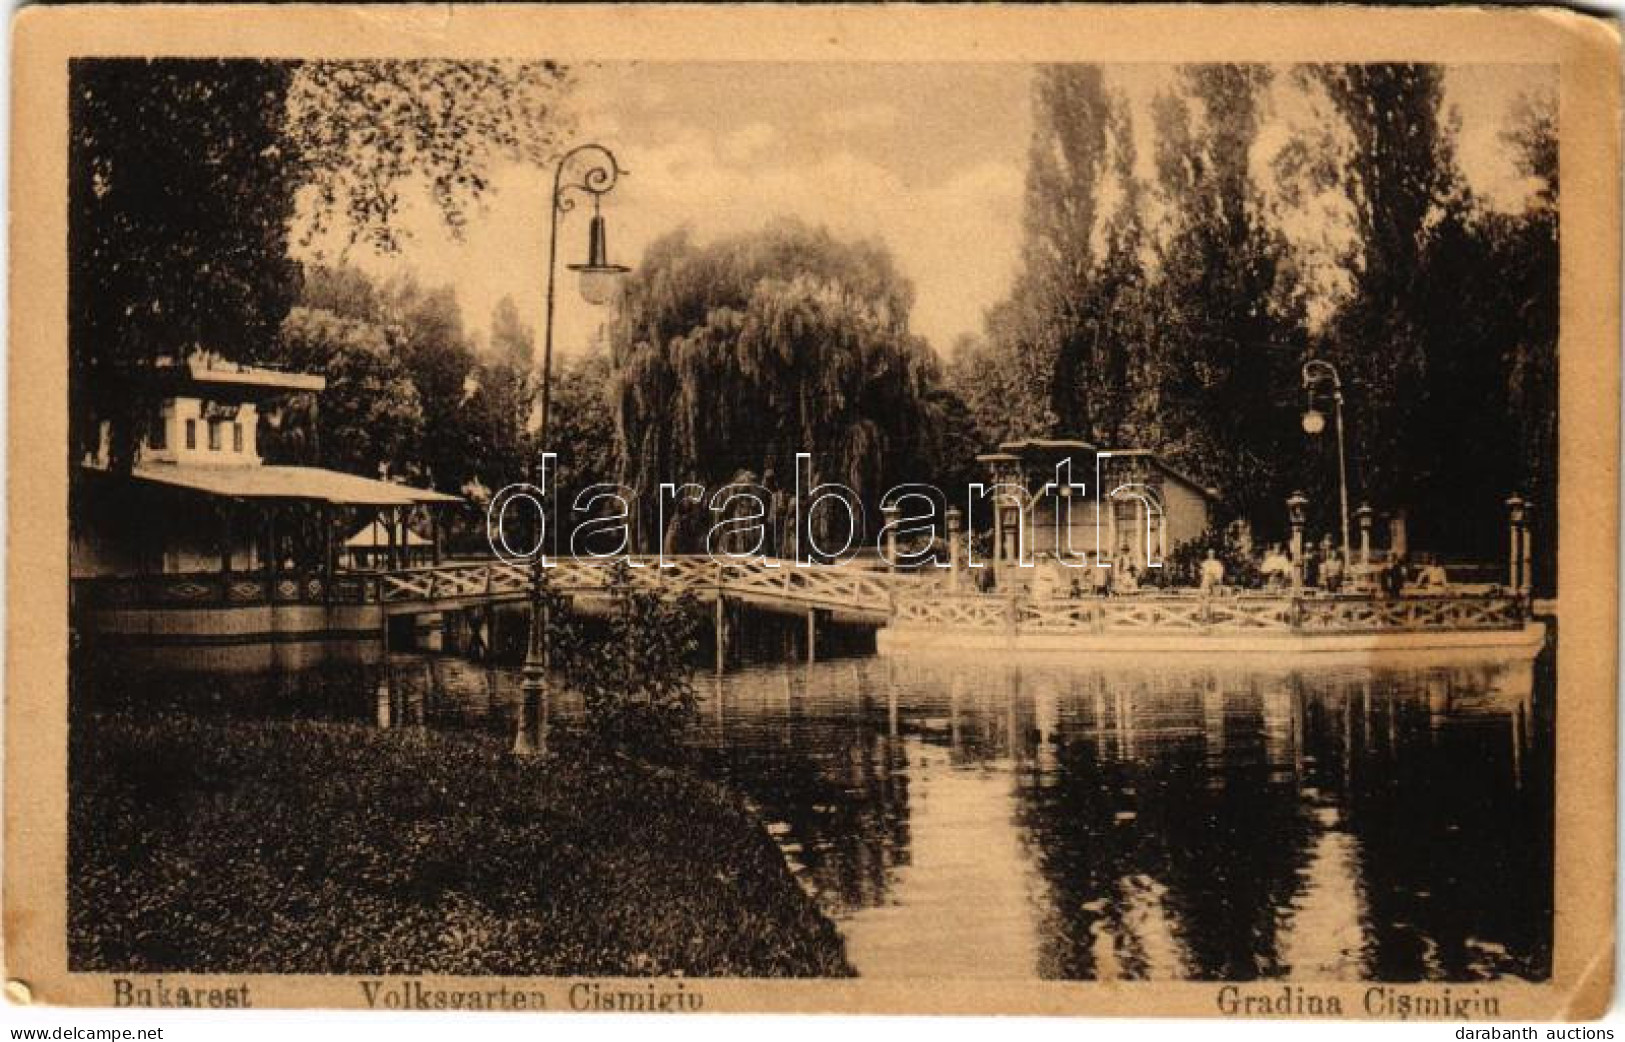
(599, 285)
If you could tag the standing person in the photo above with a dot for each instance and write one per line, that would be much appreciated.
(778, 517)
(1042, 585)
(1311, 567)
(1061, 578)
(478, 623)
(1393, 577)
(1124, 579)
(1276, 569)
(1331, 573)
(1099, 577)
(1212, 572)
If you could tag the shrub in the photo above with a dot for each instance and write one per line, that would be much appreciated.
(637, 683)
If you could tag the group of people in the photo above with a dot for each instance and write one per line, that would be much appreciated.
(1322, 568)
(1050, 578)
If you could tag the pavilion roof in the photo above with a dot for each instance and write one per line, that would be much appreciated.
(295, 483)
(1025, 450)
(207, 372)
(1021, 445)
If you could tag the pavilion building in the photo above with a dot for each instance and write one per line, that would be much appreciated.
(200, 542)
(1133, 500)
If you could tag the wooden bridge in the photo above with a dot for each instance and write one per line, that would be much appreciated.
(823, 596)
(767, 584)
(886, 610)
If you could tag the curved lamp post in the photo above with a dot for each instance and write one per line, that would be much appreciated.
(588, 170)
(1315, 373)
(1295, 505)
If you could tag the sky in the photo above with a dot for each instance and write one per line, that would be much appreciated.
(928, 158)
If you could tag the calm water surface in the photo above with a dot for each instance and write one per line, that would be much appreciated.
(1063, 818)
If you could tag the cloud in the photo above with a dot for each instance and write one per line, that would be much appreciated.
(747, 144)
(956, 241)
(874, 116)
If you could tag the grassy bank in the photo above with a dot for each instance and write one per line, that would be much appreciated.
(318, 847)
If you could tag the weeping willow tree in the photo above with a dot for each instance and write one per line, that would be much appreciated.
(730, 358)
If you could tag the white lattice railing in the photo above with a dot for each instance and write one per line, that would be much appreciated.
(819, 586)
(1189, 613)
(907, 601)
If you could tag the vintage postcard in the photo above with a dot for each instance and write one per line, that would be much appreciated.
(1072, 510)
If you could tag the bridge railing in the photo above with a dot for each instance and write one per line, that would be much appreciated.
(1193, 613)
(908, 603)
(825, 587)
(215, 590)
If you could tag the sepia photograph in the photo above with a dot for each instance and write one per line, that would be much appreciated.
(564, 533)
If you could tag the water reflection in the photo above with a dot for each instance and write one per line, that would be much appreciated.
(1061, 819)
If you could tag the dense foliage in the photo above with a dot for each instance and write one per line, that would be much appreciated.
(360, 131)
(1173, 311)
(370, 418)
(211, 846)
(413, 394)
(178, 212)
(637, 681)
(731, 357)
(399, 366)
(184, 176)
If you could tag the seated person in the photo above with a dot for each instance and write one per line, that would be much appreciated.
(1276, 569)
(1331, 573)
(1432, 576)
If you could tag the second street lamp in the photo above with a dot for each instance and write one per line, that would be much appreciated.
(586, 170)
(1316, 372)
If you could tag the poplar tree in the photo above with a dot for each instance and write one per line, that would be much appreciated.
(1230, 313)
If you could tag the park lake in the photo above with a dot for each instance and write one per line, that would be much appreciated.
(1068, 817)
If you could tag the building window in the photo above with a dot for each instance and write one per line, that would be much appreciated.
(191, 434)
(214, 435)
(236, 437)
(158, 439)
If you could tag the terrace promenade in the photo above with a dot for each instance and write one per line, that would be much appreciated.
(909, 610)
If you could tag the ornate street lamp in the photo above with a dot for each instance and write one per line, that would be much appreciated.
(890, 512)
(953, 548)
(1364, 515)
(1295, 505)
(1518, 551)
(1315, 373)
(589, 170)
